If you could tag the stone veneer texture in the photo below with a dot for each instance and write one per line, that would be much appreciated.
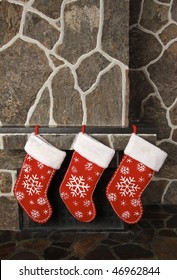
(62, 63)
(153, 82)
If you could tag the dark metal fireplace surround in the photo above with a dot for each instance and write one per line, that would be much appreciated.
(106, 220)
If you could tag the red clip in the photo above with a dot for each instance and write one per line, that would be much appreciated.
(36, 130)
(83, 128)
(134, 128)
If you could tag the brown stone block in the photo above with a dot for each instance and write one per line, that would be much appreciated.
(154, 16)
(82, 246)
(154, 191)
(10, 17)
(63, 142)
(140, 88)
(169, 33)
(115, 37)
(161, 73)
(6, 250)
(169, 168)
(165, 248)
(135, 8)
(14, 142)
(101, 252)
(39, 29)
(132, 252)
(174, 10)
(81, 24)
(89, 69)
(67, 102)
(120, 141)
(155, 115)
(35, 244)
(174, 136)
(24, 69)
(50, 8)
(12, 159)
(5, 182)
(105, 102)
(170, 196)
(144, 47)
(41, 113)
(9, 218)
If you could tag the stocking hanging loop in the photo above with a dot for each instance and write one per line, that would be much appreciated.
(83, 128)
(134, 128)
(36, 129)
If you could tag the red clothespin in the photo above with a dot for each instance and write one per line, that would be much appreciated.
(36, 129)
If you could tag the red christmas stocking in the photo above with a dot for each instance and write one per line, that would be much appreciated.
(88, 162)
(140, 161)
(40, 163)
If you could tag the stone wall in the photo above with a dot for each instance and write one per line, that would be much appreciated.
(65, 63)
(62, 63)
(153, 81)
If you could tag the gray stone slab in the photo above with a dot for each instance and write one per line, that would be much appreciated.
(5, 182)
(39, 29)
(105, 102)
(9, 218)
(10, 17)
(67, 109)
(24, 69)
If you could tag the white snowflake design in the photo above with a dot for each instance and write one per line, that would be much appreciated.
(112, 197)
(32, 185)
(29, 158)
(35, 214)
(141, 167)
(79, 214)
(74, 169)
(76, 159)
(127, 186)
(141, 180)
(88, 166)
(20, 196)
(41, 200)
(126, 215)
(49, 172)
(40, 165)
(97, 173)
(64, 195)
(89, 178)
(86, 203)
(150, 174)
(31, 202)
(123, 203)
(89, 213)
(136, 213)
(125, 170)
(77, 186)
(135, 202)
(129, 160)
(27, 168)
(75, 203)
(42, 177)
(45, 211)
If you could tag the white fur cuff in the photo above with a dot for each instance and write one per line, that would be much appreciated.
(93, 150)
(41, 150)
(145, 152)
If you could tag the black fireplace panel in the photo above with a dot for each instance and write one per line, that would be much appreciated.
(105, 220)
